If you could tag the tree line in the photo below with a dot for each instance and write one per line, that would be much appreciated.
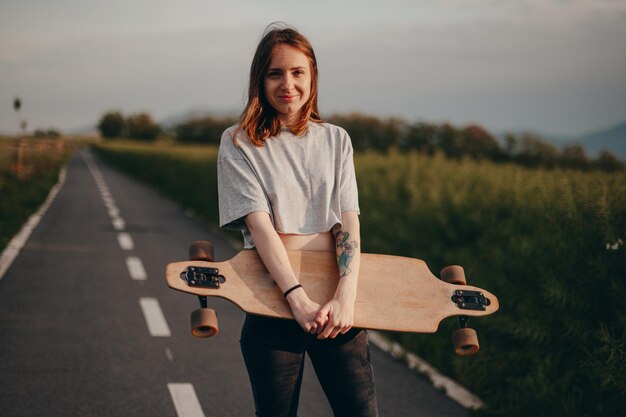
(373, 133)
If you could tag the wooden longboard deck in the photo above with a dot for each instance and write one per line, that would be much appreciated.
(395, 293)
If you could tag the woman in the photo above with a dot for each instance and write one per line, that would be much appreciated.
(286, 179)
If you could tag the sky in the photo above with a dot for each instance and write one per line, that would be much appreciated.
(557, 67)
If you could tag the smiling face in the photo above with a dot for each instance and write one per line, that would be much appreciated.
(287, 83)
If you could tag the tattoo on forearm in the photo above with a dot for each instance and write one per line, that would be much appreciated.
(345, 252)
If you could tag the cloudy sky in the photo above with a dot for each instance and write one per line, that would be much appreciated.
(553, 66)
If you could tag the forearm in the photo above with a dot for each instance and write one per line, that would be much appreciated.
(274, 257)
(271, 250)
(348, 250)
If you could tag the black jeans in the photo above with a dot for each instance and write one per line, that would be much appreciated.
(273, 350)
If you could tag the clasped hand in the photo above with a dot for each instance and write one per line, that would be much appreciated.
(327, 321)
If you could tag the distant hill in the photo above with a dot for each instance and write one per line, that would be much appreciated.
(612, 139)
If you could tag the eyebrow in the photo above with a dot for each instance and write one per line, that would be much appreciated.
(290, 69)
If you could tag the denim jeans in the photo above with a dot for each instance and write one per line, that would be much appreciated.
(273, 350)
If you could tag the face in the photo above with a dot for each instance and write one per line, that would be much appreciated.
(288, 82)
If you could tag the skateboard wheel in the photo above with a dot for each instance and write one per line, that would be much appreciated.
(453, 274)
(204, 323)
(201, 250)
(465, 342)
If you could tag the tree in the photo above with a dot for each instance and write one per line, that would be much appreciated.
(112, 125)
(141, 126)
(533, 151)
(421, 136)
(479, 143)
(607, 161)
(203, 130)
(369, 132)
(574, 156)
(450, 140)
(17, 105)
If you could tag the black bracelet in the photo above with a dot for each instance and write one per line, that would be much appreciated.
(295, 287)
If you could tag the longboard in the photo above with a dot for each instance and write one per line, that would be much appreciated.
(395, 293)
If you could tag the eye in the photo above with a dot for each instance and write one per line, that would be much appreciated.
(273, 74)
(298, 73)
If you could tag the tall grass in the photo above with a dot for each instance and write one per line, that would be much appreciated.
(548, 243)
(24, 189)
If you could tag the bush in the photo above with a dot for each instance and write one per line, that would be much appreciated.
(141, 126)
(112, 125)
(207, 130)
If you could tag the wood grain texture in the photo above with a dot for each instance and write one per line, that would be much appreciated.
(395, 293)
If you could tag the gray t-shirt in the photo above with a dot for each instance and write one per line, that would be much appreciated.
(304, 182)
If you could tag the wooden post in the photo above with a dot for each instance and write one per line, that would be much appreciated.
(20, 156)
(59, 145)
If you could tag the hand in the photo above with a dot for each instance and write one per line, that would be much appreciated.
(304, 310)
(336, 317)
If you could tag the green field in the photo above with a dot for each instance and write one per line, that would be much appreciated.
(549, 243)
(23, 190)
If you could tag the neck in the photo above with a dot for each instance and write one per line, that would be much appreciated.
(287, 121)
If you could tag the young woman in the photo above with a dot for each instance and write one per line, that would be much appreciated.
(286, 179)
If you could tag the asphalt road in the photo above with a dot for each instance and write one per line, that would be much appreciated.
(88, 326)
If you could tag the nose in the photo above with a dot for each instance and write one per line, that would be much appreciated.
(287, 83)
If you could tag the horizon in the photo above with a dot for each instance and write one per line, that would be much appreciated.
(551, 67)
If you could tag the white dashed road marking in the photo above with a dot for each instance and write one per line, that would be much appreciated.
(118, 223)
(157, 326)
(183, 394)
(136, 269)
(185, 400)
(125, 241)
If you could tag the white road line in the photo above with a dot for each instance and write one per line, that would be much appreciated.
(125, 241)
(136, 269)
(451, 388)
(157, 326)
(118, 223)
(169, 355)
(114, 211)
(185, 400)
(19, 240)
(108, 202)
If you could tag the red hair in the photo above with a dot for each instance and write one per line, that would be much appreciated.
(260, 120)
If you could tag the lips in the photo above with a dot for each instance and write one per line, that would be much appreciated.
(287, 98)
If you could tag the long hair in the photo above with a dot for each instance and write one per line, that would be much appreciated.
(260, 120)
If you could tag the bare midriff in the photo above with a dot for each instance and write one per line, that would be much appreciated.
(320, 242)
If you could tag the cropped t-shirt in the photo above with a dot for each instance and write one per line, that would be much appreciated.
(303, 182)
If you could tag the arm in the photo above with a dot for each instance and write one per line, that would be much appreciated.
(339, 312)
(274, 257)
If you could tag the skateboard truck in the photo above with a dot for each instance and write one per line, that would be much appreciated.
(470, 300)
(203, 277)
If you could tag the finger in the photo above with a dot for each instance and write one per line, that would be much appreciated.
(327, 331)
(335, 332)
(322, 316)
(346, 329)
(322, 322)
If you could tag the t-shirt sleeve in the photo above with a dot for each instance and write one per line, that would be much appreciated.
(348, 191)
(239, 190)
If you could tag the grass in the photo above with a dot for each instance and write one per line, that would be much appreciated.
(22, 191)
(548, 243)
